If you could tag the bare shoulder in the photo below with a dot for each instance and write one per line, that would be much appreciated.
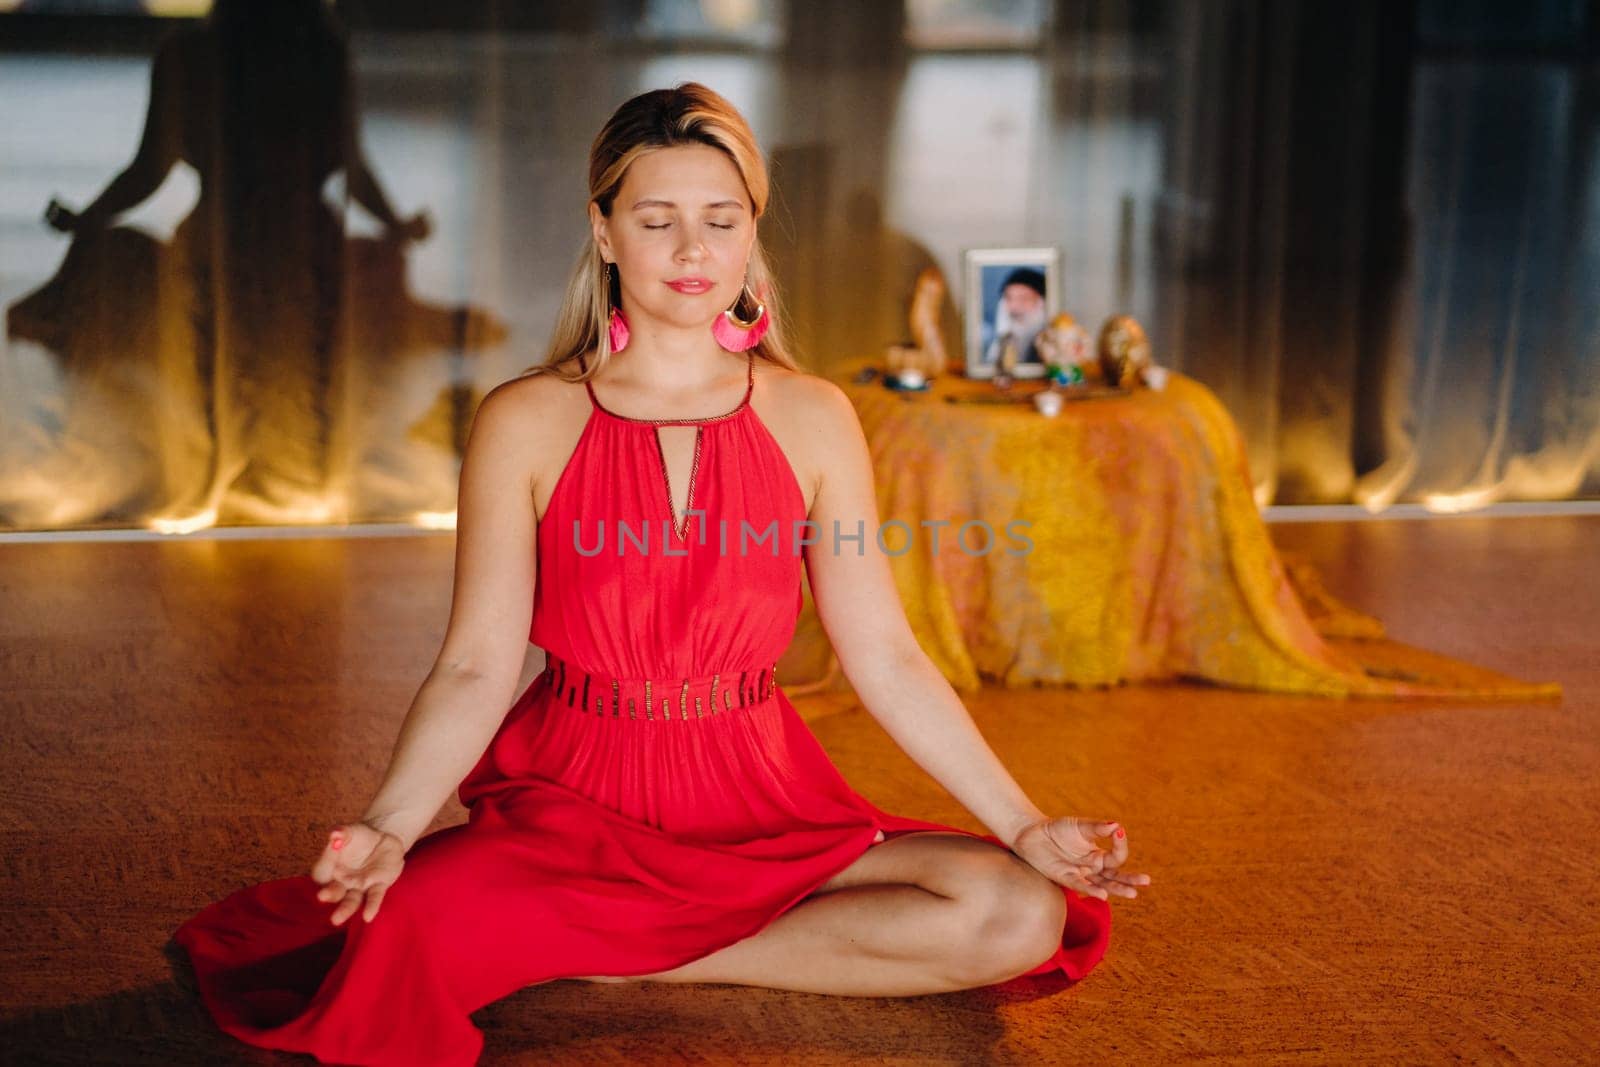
(527, 421)
(538, 395)
(802, 397)
(810, 417)
(516, 409)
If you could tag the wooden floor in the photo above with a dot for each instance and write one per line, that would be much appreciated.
(1335, 881)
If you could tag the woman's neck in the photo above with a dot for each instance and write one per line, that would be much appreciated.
(670, 362)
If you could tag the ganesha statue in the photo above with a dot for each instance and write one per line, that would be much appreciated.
(1066, 346)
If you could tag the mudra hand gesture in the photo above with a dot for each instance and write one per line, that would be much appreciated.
(1065, 851)
(357, 867)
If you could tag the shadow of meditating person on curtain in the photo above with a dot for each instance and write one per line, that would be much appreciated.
(260, 319)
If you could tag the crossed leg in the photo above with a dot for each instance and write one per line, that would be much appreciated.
(925, 912)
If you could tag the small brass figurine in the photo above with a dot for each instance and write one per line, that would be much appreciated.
(926, 301)
(926, 352)
(1007, 362)
(1124, 352)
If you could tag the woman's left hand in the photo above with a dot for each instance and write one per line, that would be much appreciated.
(1065, 851)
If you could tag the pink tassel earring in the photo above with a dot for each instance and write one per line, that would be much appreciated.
(736, 335)
(618, 330)
(617, 326)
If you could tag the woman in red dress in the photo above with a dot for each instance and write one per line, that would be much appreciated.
(651, 807)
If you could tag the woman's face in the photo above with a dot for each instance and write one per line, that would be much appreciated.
(681, 217)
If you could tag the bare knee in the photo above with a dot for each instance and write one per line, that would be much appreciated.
(1013, 923)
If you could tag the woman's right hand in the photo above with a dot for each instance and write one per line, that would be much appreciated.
(357, 867)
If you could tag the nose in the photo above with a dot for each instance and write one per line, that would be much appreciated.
(691, 249)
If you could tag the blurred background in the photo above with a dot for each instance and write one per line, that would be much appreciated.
(260, 261)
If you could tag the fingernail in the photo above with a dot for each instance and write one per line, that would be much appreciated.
(1121, 832)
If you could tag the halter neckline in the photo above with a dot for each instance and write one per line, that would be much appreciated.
(744, 402)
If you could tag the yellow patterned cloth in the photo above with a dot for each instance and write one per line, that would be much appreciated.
(1148, 561)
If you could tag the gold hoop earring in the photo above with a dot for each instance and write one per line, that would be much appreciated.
(733, 317)
(736, 334)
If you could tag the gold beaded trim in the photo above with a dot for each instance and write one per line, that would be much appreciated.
(750, 383)
(681, 529)
(749, 688)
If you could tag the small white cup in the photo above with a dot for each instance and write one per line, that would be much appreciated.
(1048, 402)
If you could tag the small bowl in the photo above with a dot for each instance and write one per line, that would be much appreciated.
(1048, 402)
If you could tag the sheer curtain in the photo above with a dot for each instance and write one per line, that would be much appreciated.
(1371, 228)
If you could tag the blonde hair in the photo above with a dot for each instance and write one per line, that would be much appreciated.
(662, 118)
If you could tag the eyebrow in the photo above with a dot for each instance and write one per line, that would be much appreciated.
(667, 203)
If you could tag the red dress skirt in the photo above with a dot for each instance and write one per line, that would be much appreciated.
(651, 798)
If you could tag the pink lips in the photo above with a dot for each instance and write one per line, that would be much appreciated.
(691, 285)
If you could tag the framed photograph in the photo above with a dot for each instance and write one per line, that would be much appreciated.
(1012, 293)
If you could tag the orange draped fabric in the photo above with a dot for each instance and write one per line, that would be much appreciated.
(1143, 556)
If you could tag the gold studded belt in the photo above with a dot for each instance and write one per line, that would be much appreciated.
(658, 699)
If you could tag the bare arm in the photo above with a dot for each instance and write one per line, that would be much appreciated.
(366, 191)
(156, 154)
(361, 183)
(861, 612)
(473, 681)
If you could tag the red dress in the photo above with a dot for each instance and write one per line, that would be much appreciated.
(652, 797)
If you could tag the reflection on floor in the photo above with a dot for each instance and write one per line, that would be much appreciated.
(1334, 880)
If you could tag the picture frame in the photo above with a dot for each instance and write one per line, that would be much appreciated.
(990, 308)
